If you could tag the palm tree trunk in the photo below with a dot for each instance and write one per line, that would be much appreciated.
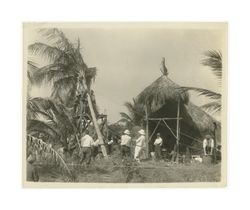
(93, 116)
(103, 148)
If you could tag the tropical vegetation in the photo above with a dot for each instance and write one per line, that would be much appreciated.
(212, 59)
(71, 107)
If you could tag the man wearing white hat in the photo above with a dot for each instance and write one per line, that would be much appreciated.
(140, 143)
(125, 144)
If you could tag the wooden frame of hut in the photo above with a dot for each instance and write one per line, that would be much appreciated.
(169, 112)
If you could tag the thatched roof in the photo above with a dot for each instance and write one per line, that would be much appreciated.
(202, 120)
(161, 98)
(160, 92)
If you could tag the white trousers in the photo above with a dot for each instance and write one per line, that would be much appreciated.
(137, 152)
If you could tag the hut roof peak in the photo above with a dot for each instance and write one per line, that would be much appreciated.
(161, 91)
(163, 68)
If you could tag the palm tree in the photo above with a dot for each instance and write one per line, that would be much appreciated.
(68, 73)
(213, 59)
(36, 144)
(50, 117)
(135, 114)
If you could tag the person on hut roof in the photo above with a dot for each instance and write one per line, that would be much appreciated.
(158, 144)
(140, 143)
(208, 145)
(125, 144)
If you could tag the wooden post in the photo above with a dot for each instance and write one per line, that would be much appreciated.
(147, 134)
(178, 131)
(107, 128)
(215, 144)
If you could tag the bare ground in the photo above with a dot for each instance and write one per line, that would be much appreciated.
(113, 170)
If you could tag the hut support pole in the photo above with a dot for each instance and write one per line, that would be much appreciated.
(215, 143)
(147, 132)
(178, 131)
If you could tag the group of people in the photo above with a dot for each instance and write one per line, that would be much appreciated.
(89, 147)
(126, 142)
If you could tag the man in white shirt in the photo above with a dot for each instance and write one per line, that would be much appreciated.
(139, 144)
(125, 144)
(208, 145)
(86, 144)
(158, 144)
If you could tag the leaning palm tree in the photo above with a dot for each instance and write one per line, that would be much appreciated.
(213, 59)
(68, 73)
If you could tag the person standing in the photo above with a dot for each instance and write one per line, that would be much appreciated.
(109, 145)
(139, 144)
(208, 145)
(125, 144)
(158, 144)
(86, 143)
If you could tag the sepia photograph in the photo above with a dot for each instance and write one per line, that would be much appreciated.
(127, 104)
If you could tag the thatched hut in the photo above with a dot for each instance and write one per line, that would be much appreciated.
(161, 100)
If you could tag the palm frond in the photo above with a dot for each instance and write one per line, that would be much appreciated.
(64, 90)
(64, 82)
(212, 107)
(51, 73)
(32, 109)
(32, 68)
(90, 75)
(41, 103)
(51, 111)
(39, 107)
(213, 59)
(36, 143)
(56, 35)
(130, 108)
(48, 52)
(135, 112)
(126, 117)
(64, 116)
(201, 91)
(36, 125)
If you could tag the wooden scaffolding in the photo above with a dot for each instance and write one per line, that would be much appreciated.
(165, 120)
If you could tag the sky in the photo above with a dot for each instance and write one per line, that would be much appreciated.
(128, 59)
